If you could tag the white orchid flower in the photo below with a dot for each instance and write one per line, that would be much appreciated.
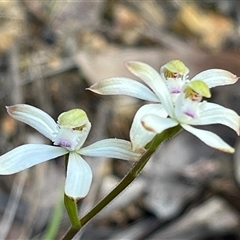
(177, 101)
(68, 136)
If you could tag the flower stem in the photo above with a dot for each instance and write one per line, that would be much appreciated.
(131, 175)
(71, 207)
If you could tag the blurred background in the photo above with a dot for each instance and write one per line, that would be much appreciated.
(51, 51)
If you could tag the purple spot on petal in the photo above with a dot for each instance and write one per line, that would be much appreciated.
(64, 143)
(175, 91)
(190, 114)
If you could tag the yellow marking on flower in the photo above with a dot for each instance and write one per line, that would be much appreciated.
(169, 74)
(200, 87)
(175, 68)
(75, 118)
(191, 94)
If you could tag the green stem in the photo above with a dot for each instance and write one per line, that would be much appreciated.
(131, 175)
(71, 207)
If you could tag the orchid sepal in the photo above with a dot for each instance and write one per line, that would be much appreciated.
(78, 177)
(209, 138)
(124, 86)
(216, 77)
(26, 156)
(112, 148)
(34, 117)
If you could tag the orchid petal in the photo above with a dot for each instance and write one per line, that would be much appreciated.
(216, 77)
(26, 156)
(35, 118)
(211, 113)
(153, 79)
(138, 134)
(157, 124)
(125, 86)
(211, 139)
(111, 148)
(78, 177)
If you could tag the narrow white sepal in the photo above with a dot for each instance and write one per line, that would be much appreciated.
(78, 177)
(26, 156)
(212, 113)
(111, 148)
(154, 80)
(34, 117)
(124, 86)
(211, 139)
(216, 77)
